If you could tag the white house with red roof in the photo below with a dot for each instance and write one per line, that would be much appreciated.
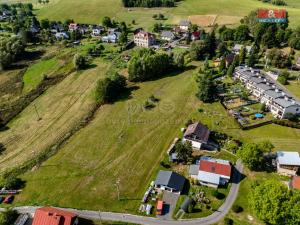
(197, 134)
(73, 26)
(211, 172)
(144, 39)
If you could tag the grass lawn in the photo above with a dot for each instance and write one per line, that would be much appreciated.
(294, 87)
(35, 73)
(227, 11)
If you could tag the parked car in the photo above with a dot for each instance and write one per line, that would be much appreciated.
(8, 199)
(159, 208)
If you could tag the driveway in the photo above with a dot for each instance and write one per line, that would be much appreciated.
(170, 200)
(211, 219)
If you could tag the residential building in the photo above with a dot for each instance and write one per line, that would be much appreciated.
(267, 92)
(211, 172)
(97, 30)
(197, 134)
(61, 35)
(184, 25)
(237, 48)
(111, 38)
(144, 39)
(54, 216)
(73, 27)
(113, 30)
(295, 183)
(167, 36)
(229, 59)
(274, 75)
(288, 163)
(195, 35)
(169, 181)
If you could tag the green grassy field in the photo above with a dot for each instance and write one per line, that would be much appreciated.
(126, 142)
(93, 11)
(294, 87)
(35, 74)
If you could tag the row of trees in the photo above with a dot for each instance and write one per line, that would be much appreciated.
(10, 49)
(149, 3)
(275, 2)
(203, 49)
(146, 64)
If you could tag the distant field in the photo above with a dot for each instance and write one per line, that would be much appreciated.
(94, 10)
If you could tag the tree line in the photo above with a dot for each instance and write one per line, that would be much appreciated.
(149, 3)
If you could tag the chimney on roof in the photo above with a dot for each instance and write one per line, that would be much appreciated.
(268, 83)
(293, 101)
(286, 98)
(273, 86)
(257, 74)
(276, 90)
(265, 80)
(282, 93)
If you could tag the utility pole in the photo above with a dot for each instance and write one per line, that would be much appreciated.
(117, 184)
(37, 113)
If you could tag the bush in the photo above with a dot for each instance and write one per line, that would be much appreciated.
(148, 105)
(8, 217)
(12, 183)
(237, 208)
(80, 61)
(228, 221)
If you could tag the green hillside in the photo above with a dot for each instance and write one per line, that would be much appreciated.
(94, 10)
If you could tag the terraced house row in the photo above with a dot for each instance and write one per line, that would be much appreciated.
(267, 92)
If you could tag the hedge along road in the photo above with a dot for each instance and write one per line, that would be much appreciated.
(211, 219)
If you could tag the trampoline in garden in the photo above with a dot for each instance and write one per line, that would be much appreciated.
(259, 115)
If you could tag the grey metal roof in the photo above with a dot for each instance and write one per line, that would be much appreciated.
(167, 34)
(170, 179)
(184, 23)
(288, 158)
(194, 169)
(212, 178)
(256, 80)
(273, 93)
(264, 87)
(284, 103)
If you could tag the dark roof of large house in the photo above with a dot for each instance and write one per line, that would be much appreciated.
(197, 131)
(170, 179)
(229, 58)
(53, 216)
(220, 167)
(167, 34)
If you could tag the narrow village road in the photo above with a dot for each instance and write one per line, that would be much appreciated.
(213, 218)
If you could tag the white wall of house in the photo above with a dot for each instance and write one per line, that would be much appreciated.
(195, 144)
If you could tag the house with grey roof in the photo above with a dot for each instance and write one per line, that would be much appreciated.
(197, 134)
(288, 163)
(169, 181)
(167, 36)
(184, 25)
(237, 48)
(278, 102)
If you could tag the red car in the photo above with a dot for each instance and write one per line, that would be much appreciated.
(8, 199)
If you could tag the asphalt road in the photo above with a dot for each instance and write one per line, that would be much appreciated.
(211, 219)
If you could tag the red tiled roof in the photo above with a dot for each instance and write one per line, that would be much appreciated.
(53, 216)
(296, 182)
(214, 167)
